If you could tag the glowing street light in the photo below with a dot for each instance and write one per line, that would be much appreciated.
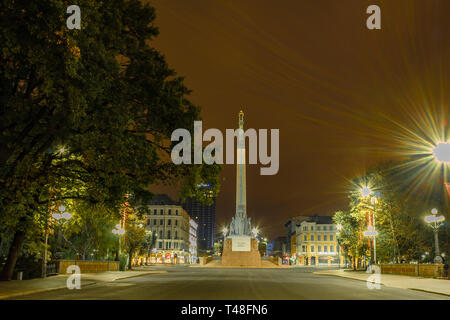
(435, 222)
(225, 231)
(442, 152)
(255, 232)
(365, 192)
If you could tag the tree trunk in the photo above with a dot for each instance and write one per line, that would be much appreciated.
(130, 257)
(13, 255)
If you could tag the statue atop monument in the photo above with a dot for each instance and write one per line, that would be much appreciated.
(241, 225)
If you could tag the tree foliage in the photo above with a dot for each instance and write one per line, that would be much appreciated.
(86, 113)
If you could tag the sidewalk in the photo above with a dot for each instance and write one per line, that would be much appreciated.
(15, 288)
(396, 281)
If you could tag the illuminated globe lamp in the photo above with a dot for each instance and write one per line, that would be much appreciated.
(255, 232)
(442, 152)
(225, 231)
(365, 192)
(435, 222)
(62, 214)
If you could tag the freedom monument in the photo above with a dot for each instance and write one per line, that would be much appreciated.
(240, 248)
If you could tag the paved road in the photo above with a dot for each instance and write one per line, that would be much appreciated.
(182, 282)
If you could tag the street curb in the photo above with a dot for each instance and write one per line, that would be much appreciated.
(415, 289)
(440, 293)
(21, 294)
(336, 275)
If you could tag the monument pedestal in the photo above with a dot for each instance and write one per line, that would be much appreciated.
(241, 251)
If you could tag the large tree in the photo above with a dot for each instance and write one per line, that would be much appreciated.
(86, 114)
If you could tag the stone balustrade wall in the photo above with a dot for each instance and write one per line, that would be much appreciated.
(87, 266)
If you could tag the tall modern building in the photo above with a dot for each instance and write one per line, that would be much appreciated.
(205, 216)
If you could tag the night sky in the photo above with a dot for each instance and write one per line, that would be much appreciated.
(344, 97)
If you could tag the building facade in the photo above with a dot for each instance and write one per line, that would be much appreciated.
(314, 242)
(205, 216)
(291, 229)
(175, 233)
(193, 241)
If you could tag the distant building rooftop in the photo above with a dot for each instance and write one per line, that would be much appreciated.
(163, 199)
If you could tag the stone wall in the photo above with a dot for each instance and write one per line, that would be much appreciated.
(417, 270)
(204, 260)
(275, 260)
(87, 266)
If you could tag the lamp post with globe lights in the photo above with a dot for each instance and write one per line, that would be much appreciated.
(119, 231)
(441, 153)
(224, 232)
(435, 222)
(62, 214)
(61, 217)
(371, 232)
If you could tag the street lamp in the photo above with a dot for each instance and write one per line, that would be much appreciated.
(365, 192)
(255, 232)
(435, 222)
(119, 231)
(371, 232)
(61, 217)
(225, 232)
(442, 152)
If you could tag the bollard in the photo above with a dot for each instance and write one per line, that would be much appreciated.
(19, 275)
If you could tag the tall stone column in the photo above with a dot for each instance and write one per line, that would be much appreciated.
(241, 198)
